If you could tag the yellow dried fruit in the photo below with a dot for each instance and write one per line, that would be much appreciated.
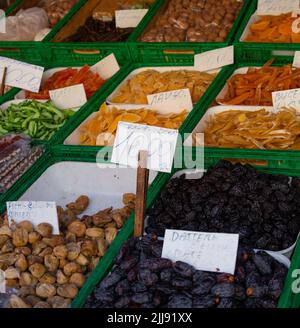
(6, 260)
(73, 251)
(32, 300)
(70, 237)
(48, 278)
(79, 205)
(88, 248)
(12, 283)
(12, 273)
(26, 279)
(3, 240)
(102, 217)
(17, 303)
(54, 241)
(37, 270)
(8, 247)
(60, 251)
(67, 291)
(45, 290)
(5, 231)
(82, 260)
(71, 268)
(26, 290)
(129, 198)
(62, 263)
(95, 233)
(77, 228)
(20, 237)
(58, 302)
(117, 217)
(32, 259)
(33, 237)
(77, 279)
(42, 305)
(26, 251)
(51, 263)
(102, 246)
(44, 229)
(21, 262)
(110, 234)
(46, 251)
(61, 278)
(27, 225)
(38, 247)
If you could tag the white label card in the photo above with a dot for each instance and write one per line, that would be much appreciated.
(214, 252)
(296, 62)
(129, 17)
(160, 143)
(22, 75)
(213, 59)
(276, 7)
(35, 212)
(172, 101)
(107, 67)
(69, 97)
(287, 98)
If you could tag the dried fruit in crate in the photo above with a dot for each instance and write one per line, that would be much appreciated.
(232, 198)
(255, 86)
(48, 270)
(261, 129)
(100, 130)
(151, 81)
(69, 77)
(184, 286)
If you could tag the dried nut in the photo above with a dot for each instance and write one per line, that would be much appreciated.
(6, 260)
(62, 263)
(46, 251)
(73, 251)
(60, 251)
(32, 300)
(70, 237)
(17, 303)
(21, 263)
(26, 290)
(110, 234)
(26, 251)
(27, 225)
(117, 217)
(48, 278)
(20, 237)
(32, 259)
(128, 199)
(44, 229)
(33, 237)
(102, 246)
(61, 278)
(67, 291)
(45, 290)
(78, 228)
(37, 270)
(79, 205)
(3, 240)
(59, 302)
(71, 268)
(8, 247)
(54, 241)
(12, 273)
(82, 260)
(42, 305)
(26, 279)
(95, 233)
(12, 283)
(88, 248)
(77, 279)
(38, 247)
(51, 263)
(6, 231)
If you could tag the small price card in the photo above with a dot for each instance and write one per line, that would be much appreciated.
(287, 98)
(69, 97)
(107, 67)
(129, 17)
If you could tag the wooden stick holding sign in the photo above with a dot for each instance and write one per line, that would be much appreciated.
(141, 193)
(3, 81)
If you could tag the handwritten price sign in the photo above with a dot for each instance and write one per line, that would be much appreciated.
(160, 143)
(69, 97)
(276, 7)
(288, 98)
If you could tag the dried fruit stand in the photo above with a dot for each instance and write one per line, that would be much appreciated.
(57, 139)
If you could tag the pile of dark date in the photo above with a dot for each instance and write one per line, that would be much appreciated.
(264, 209)
(142, 279)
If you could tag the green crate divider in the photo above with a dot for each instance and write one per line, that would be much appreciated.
(256, 51)
(12, 7)
(169, 51)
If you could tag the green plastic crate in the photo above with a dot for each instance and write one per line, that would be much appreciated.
(168, 51)
(259, 51)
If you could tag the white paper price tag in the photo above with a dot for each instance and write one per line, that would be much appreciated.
(213, 59)
(69, 97)
(215, 252)
(35, 212)
(160, 143)
(22, 75)
(287, 98)
(172, 101)
(107, 67)
(276, 7)
(129, 17)
(296, 61)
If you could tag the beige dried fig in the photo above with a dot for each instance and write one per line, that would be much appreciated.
(79, 205)
(60, 251)
(12, 273)
(88, 248)
(54, 241)
(3, 240)
(26, 279)
(26, 290)
(45, 290)
(70, 237)
(12, 283)
(67, 291)
(117, 217)
(44, 229)
(20, 237)
(94, 262)
(32, 259)
(21, 262)
(46, 251)
(62, 263)
(6, 260)
(51, 263)
(82, 260)
(102, 246)
(48, 278)
(111, 225)
(5, 231)
(129, 199)
(95, 233)
(42, 305)
(73, 251)
(61, 278)
(77, 228)
(17, 303)
(37, 270)
(8, 247)
(26, 251)
(32, 300)
(77, 279)
(110, 234)
(33, 237)
(27, 225)
(38, 247)
(71, 268)
(58, 302)
(102, 218)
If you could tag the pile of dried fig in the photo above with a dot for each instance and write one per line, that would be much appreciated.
(48, 270)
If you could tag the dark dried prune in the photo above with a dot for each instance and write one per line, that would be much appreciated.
(179, 301)
(138, 287)
(147, 277)
(225, 277)
(275, 288)
(223, 290)
(262, 264)
(122, 287)
(207, 301)
(181, 283)
(184, 269)
(257, 291)
(128, 264)
(156, 264)
(141, 298)
(253, 279)
(111, 279)
(239, 293)
(122, 302)
(104, 295)
(166, 275)
(227, 303)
